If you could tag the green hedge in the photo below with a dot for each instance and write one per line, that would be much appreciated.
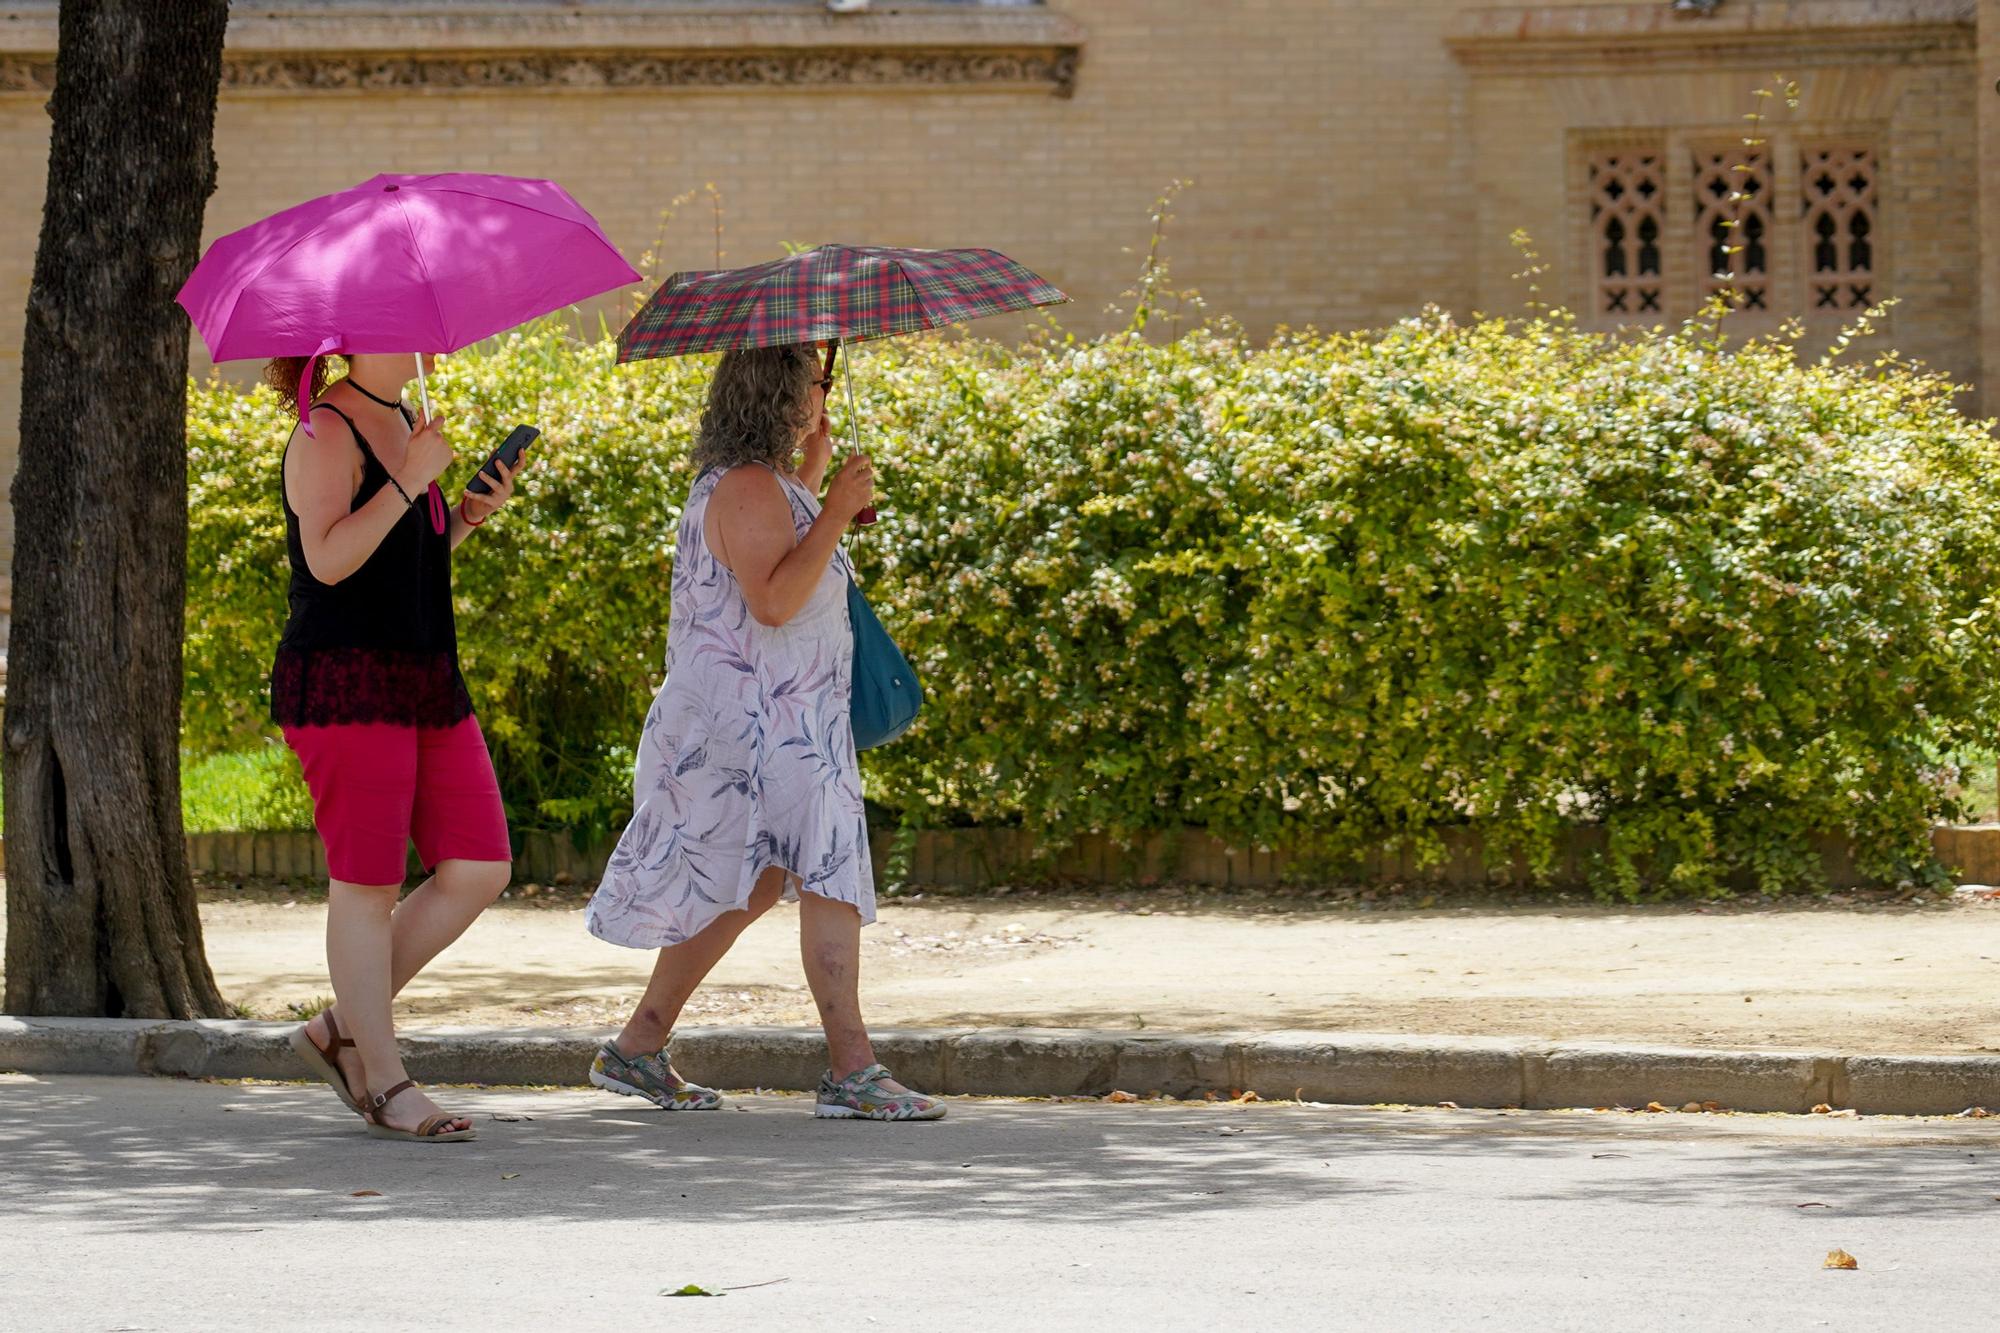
(1327, 593)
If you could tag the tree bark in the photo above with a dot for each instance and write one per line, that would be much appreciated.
(100, 907)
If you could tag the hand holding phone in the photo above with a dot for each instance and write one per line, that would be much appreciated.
(508, 451)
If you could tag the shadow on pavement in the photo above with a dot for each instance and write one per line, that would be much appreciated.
(158, 1155)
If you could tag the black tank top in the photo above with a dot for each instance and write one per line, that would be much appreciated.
(380, 645)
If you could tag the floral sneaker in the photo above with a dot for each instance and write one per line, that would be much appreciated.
(861, 1096)
(651, 1077)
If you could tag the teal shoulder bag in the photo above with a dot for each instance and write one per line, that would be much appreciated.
(887, 696)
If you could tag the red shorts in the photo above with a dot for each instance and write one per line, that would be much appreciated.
(377, 785)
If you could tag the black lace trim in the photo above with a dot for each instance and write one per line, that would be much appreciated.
(331, 687)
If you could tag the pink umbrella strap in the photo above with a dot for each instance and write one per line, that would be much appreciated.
(305, 384)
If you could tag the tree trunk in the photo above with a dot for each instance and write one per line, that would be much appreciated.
(100, 907)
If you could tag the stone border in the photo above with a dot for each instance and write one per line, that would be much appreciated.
(1016, 71)
(1337, 1067)
(307, 49)
(1572, 39)
(985, 858)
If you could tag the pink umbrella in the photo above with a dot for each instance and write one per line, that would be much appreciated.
(399, 264)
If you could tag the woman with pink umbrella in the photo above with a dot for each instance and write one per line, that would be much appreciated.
(366, 683)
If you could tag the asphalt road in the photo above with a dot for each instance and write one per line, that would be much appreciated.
(134, 1204)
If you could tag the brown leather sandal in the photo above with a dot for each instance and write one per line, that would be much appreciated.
(431, 1131)
(325, 1060)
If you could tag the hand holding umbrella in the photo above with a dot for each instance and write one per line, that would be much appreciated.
(852, 490)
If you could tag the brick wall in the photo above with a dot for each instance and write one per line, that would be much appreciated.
(1537, 109)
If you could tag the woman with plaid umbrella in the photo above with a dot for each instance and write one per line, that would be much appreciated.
(747, 789)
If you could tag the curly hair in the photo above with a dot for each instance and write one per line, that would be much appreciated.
(759, 404)
(283, 373)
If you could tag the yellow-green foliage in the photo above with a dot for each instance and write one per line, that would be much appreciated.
(1328, 593)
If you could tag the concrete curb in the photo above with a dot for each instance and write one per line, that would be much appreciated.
(1344, 1067)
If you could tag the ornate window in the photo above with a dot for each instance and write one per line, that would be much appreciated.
(1627, 203)
(1837, 193)
(1732, 224)
(1787, 226)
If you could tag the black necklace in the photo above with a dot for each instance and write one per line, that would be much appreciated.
(362, 389)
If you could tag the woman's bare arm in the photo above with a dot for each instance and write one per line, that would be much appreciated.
(321, 477)
(750, 526)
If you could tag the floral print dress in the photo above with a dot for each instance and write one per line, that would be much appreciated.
(747, 759)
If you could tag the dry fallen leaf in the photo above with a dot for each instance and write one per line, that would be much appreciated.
(366, 1194)
(1711, 1106)
(1118, 1096)
(1840, 1259)
(1654, 1106)
(510, 1175)
(1690, 1108)
(1822, 1109)
(1812, 1205)
(1447, 1106)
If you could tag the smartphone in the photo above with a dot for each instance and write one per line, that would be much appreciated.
(508, 452)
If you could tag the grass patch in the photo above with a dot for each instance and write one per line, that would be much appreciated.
(1980, 784)
(250, 789)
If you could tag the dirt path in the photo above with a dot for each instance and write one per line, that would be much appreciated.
(1869, 978)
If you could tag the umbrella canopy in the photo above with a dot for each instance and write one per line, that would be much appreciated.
(835, 293)
(399, 264)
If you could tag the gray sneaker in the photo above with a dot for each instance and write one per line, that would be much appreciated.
(861, 1096)
(651, 1077)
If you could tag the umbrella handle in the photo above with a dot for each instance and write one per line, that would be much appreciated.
(866, 518)
(423, 389)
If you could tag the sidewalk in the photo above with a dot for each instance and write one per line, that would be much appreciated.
(1907, 980)
(160, 1204)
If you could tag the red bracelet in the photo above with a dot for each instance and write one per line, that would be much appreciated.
(469, 521)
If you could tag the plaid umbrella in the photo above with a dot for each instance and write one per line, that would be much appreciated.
(836, 293)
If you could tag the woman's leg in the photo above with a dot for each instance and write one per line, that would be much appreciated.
(681, 967)
(459, 825)
(435, 914)
(358, 957)
(439, 910)
(830, 947)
